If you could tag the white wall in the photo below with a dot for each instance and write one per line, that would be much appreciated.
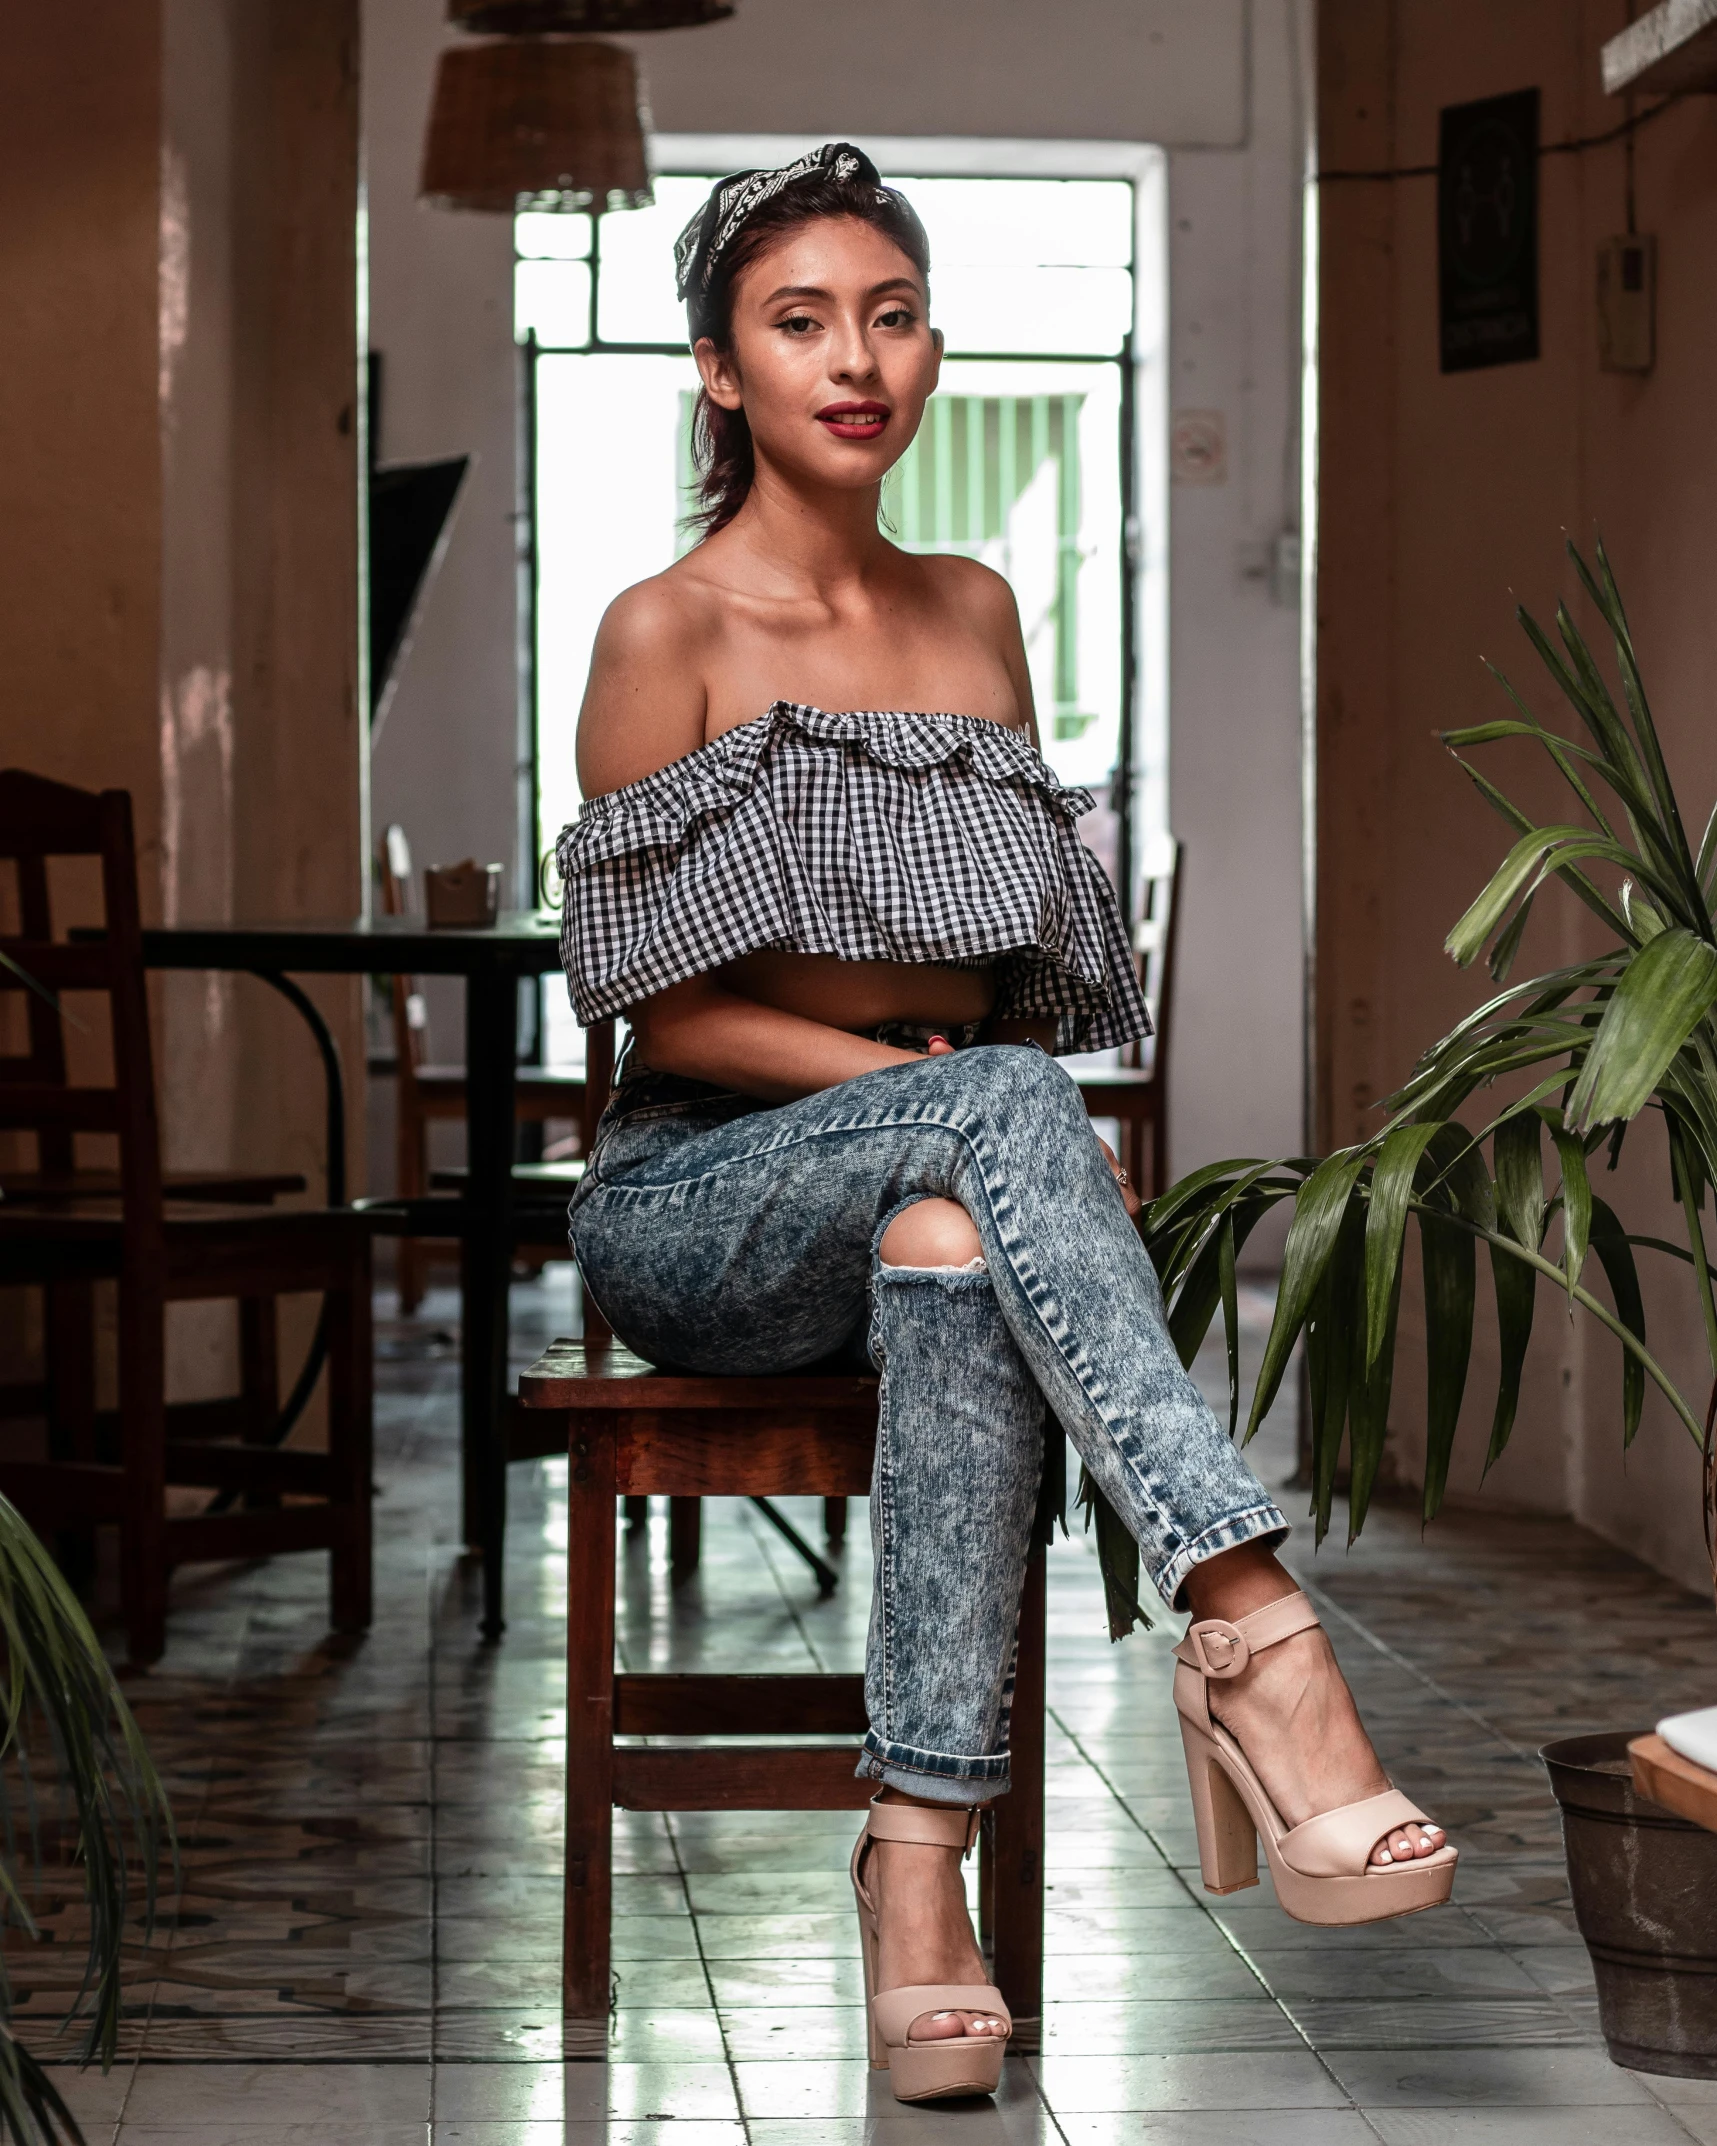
(1209, 79)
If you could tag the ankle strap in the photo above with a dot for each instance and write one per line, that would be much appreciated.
(1216, 1648)
(951, 1828)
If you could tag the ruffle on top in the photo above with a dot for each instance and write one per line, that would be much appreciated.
(873, 837)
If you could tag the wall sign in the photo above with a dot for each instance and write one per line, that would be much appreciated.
(1487, 232)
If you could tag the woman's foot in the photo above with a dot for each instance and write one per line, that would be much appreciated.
(924, 1933)
(1290, 1710)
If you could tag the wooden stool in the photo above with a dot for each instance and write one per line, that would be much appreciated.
(633, 1431)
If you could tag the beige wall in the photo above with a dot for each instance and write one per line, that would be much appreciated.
(178, 500)
(1444, 500)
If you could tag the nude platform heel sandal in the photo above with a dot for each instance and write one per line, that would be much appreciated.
(958, 2064)
(1322, 1870)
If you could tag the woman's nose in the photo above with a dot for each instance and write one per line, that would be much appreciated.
(852, 357)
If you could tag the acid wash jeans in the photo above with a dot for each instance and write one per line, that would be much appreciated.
(719, 1235)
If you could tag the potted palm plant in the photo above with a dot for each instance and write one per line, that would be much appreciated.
(1555, 1069)
(112, 1815)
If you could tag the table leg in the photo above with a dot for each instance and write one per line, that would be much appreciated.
(491, 1051)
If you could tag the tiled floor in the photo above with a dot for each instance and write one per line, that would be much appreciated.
(365, 1949)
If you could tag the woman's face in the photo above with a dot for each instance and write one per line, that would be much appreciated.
(832, 356)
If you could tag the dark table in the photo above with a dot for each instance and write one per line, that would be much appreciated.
(522, 943)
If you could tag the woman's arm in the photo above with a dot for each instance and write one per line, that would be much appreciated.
(705, 1033)
(644, 704)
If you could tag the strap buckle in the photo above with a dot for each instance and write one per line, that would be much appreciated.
(1219, 1649)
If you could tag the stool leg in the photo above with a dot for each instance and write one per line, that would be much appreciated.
(685, 1536)
(1018, 1828)
(589, 1728)
(834, 1522)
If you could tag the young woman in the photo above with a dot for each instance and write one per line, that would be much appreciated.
(848, 935)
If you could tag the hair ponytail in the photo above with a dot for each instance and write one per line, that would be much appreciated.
(725, 463)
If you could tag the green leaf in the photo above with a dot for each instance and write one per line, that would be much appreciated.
(1708, 852)
(1516, 1287)
(1336, 1317)
(1202, 1288)
(1523, 866)
(1519, 1151)
(1609, 600)
(1318, 1214)
(1454, 1165)
(1231, 1319)
(1576, 1200)
(1449, 1264)
(1386, 1226)
(1117, 1559)
(1643, 919)
(1502, 954)
(1665, 991)
(1368, 1413)
(1616, 1257)
(1189, 1189)
(1519, 820)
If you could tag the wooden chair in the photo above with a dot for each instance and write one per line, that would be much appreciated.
(1136, 1091)
(632, 1430)
(425, 1092)
(68, 1389)
(116, 1466)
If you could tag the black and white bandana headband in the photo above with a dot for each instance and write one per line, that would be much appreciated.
(735, 200)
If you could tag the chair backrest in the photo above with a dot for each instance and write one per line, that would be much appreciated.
(1156, 938)
(41, 820)
(410, 1016)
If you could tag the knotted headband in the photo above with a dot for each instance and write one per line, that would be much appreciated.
(735, 200)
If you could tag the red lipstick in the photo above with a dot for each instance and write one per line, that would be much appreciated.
(854, 420)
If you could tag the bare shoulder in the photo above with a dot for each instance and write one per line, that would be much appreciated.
(977, 592)
(982, 604)
(645, 699)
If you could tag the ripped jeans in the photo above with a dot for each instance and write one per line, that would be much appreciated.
(724, 1236)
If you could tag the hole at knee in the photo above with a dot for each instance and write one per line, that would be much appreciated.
(934, 1234)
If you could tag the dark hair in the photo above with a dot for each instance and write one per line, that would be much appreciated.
(722, 453)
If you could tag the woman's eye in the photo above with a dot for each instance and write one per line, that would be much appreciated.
(797, 324)
(897, 317)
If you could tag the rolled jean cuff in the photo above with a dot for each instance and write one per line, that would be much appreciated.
(1259, 1524)
(933, 1776)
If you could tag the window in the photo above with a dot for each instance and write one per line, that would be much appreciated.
(1023, 459)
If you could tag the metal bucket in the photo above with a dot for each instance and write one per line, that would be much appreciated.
(1645, 1897)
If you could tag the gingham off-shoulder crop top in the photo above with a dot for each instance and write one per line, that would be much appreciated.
(877, 836)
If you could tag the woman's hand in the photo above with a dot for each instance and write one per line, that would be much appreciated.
(1129, 1197)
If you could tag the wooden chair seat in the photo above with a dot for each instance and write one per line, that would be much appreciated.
(631, 1430)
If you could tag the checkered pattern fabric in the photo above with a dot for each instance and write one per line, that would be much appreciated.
(873, 837)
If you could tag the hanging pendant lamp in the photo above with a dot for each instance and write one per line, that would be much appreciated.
(536, 123)
(525, 18)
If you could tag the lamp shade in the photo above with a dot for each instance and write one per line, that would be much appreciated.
(536, 123)
(520, 18)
